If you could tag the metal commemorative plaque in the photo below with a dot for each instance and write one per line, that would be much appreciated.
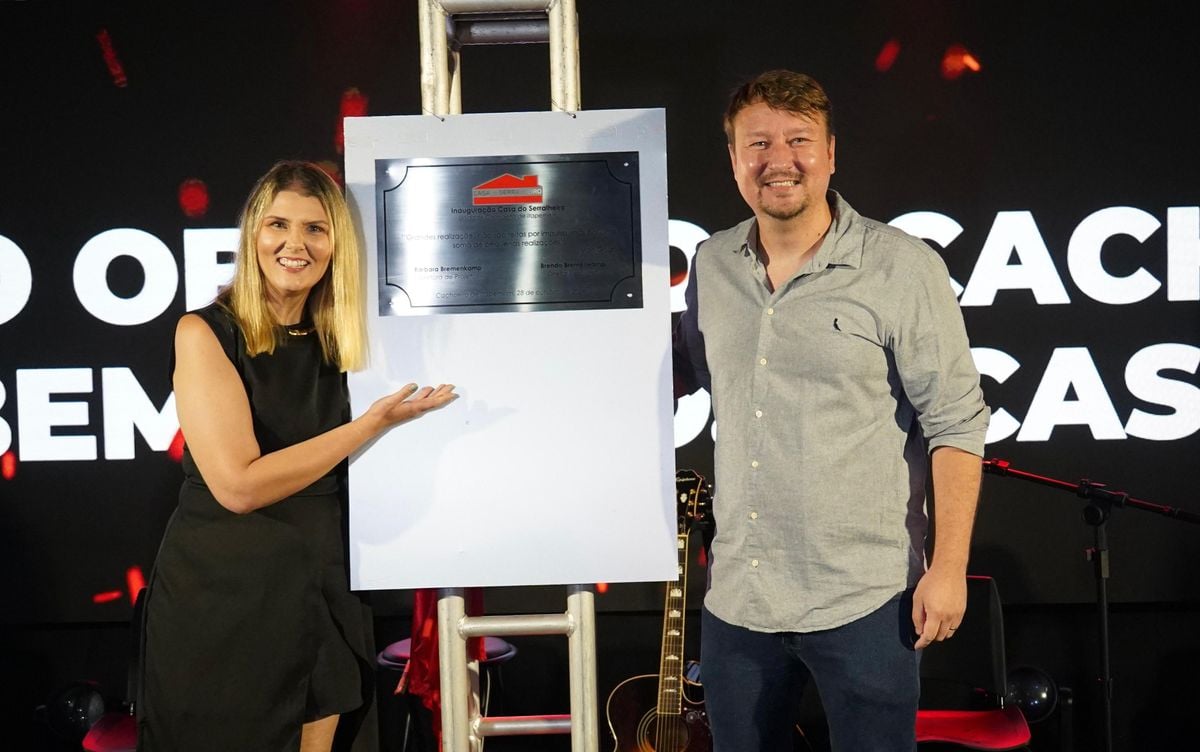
(508, 233)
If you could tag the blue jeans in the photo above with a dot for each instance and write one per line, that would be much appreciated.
(866, 672)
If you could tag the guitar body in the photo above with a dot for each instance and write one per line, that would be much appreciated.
(636, 725)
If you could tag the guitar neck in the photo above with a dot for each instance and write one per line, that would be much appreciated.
(670, 667)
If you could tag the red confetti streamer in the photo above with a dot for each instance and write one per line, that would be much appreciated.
(193, 198)
(175, 451)
(135, 580)
(107, 597)
(354, 104)
(8, 465)
(115, 69)
(887, 56)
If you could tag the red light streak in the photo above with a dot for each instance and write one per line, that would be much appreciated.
(135, 580)
(887, 56)
(332, 170)
(115, 69)
(959, 60)
(8, 465)
(107, 597)
(354, 104)
(193, 198)
(175, 451)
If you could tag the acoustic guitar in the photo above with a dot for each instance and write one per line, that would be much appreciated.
(665, 713)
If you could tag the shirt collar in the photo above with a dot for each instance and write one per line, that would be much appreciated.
(843, 244)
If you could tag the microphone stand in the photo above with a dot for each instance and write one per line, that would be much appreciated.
(1100, 502)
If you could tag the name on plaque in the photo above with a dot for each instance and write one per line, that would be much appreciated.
(508, 233)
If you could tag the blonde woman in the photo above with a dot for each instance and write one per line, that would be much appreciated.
(252, 639)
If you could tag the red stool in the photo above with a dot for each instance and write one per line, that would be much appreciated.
(396, 655)
(496, 651)
(114, 732)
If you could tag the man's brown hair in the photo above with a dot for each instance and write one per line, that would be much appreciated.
(781, 90)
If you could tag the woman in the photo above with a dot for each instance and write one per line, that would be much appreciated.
(252, 639)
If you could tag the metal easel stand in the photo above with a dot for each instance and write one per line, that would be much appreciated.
(463, 728)
(447, 26)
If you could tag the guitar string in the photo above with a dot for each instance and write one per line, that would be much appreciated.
(670, 726)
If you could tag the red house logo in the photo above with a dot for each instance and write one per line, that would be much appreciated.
(508, 189)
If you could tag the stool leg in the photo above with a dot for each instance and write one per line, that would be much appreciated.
(486, 698)
(474, 708)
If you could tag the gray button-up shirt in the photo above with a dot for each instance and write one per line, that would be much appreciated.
(827, 393)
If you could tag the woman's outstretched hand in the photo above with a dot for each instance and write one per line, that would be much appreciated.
(409, 403)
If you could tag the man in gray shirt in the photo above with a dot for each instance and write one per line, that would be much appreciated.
(840, 372)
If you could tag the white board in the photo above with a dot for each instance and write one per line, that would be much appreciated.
(556, 464)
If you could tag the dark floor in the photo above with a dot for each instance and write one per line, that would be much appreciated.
(1155, 662)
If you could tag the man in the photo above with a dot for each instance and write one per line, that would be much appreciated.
(839, 369)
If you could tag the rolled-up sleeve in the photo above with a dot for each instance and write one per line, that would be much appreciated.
(933, 360)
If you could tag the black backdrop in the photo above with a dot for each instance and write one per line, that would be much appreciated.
(1072, 111)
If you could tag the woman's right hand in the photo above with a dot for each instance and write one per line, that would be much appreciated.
(409, 403)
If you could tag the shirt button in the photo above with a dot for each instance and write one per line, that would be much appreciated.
(758, 413)
(754, 463)
(754, 515)
(754, 563)
(770, 311)
(762, 361)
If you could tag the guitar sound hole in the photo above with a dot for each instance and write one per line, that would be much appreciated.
(665, 733)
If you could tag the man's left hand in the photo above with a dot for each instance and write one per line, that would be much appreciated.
(938, 605)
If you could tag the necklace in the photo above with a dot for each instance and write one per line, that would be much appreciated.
(299, 330)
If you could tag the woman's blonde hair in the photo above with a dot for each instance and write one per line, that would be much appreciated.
(335, 304)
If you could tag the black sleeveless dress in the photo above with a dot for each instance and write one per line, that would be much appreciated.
(250, 627)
